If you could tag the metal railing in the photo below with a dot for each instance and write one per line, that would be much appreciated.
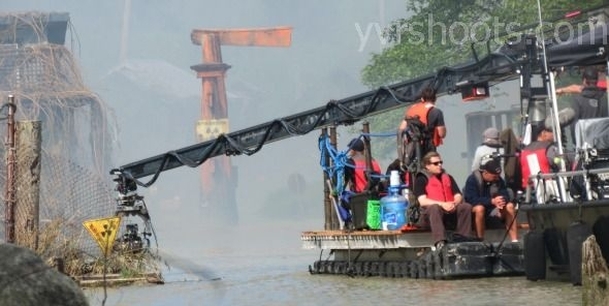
(544, 185)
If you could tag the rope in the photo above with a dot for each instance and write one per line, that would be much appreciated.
(339, 160)
(386, 134)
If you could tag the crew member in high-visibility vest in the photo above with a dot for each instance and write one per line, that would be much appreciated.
(439, 196)
(540, 156)
(356, 177)
(432, 117)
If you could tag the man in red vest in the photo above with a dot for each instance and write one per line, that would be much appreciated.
(356, 177)
(540, 156)
(440, 197)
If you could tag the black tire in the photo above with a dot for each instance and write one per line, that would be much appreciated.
(392, 269)
(414, 269)
(601, 231)
(422, 268)
(534, 256)
(430, 269)
(577, 233)
(556, 246)
(340, 267)
(405, 269)
(366, 270)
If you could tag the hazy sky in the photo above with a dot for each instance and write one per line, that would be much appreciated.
(155, 97)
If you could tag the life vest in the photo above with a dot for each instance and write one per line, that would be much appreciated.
(421, 110)
(494, 188)
(438, 189)
(592, 103)
(538, 149)
(359, 174)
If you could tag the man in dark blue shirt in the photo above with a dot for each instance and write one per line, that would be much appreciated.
(487, 192)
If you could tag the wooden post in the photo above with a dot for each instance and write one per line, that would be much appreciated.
(335, 223)
(9, 192)
(28, 140)
(595, 275)
(327, 203)
(367, 154)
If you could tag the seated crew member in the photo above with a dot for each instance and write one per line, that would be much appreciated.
(356, 177)
(540, 156)
(490, 145)
(439, 196)
(490, 197)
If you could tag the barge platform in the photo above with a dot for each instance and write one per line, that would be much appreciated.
(410, 254)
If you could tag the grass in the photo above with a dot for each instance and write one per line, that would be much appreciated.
(57, 241)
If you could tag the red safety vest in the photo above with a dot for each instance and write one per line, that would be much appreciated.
(421, 110)
(360, 181)
(538, 148)
(439, 189)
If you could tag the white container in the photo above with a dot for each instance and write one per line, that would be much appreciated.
(394, 178)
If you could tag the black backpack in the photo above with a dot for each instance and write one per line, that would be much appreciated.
(416, 141)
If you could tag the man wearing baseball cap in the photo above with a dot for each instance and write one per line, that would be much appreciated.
(490, 145)
(356, 175)
(490, 198)
(590, 102)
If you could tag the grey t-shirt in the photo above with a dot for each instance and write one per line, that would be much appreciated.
(481, 151)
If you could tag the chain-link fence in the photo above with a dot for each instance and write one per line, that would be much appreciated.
(77, 135)
(69, 195)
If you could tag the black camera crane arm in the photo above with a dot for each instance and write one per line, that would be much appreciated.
(494, 68)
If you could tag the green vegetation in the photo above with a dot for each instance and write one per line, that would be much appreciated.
(54, 242)
(443, 33)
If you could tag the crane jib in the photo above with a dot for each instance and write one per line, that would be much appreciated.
(492, 69)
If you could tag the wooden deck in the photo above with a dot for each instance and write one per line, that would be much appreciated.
(371, 240)
(119, 280)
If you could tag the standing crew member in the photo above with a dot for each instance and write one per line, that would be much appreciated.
(591, 102)
(431, 117)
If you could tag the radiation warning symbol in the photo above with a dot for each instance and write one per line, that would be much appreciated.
(103, 231)
(211, 129)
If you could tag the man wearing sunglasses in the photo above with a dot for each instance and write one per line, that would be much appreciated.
(440, 198)
(489, 195)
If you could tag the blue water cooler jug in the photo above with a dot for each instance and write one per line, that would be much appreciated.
(393, 206)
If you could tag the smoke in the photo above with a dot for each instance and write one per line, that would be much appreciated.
(143, 72)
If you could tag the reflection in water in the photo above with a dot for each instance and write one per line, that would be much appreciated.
(264, 265)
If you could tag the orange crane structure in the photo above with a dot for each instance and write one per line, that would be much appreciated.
(218, 178)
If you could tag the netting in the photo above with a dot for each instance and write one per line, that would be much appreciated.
(77, 135)
(69, 195)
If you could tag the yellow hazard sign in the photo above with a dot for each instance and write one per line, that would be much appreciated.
(104, 231)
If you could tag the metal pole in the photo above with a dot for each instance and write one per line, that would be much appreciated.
(607, 78)
(552, 94)
(10, 173)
